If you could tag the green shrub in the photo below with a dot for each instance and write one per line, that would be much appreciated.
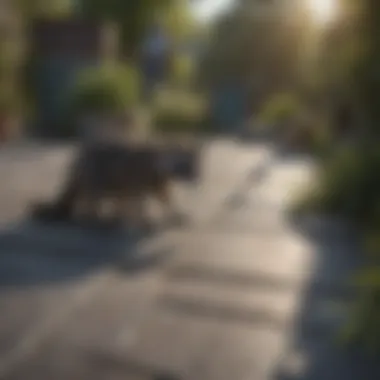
(310, 135)
(182, 70)
(362, 327)
(321, 141)
(178, 111)
(349, 185)
(280, 109)
(104, 90)
(8, 104)
(11, 101)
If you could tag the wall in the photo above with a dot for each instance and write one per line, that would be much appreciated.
(63, 48)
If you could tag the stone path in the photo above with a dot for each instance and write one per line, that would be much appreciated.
(239, 293)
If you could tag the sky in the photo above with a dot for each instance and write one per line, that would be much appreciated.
(207, 10)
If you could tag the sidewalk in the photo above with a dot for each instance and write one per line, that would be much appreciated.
(241, 293)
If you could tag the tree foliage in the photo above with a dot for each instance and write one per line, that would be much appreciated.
(31, 9)
(262, 48)
(105, 89)
(178, 22)
(349, 184)
(134, 16)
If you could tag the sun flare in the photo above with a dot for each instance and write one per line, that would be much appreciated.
(323, 11)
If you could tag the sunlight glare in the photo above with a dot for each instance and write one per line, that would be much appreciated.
(323, 11)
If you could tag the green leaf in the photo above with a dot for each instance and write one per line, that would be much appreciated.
(368, 278)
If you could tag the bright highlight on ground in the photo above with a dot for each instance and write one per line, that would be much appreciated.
(323, 11)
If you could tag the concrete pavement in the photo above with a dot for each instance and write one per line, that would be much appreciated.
(225, 297)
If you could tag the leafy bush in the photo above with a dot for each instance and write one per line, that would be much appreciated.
(105, 89)
(349, 185)
(280, 108)
(176, 111)
(363, 325)
(309, 134)
(321, 140)
(9, 103)
(182, 70)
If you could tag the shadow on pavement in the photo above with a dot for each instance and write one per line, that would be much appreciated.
(35, 254)
(315, 352)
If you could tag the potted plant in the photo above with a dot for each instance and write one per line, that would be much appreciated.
(105, 95)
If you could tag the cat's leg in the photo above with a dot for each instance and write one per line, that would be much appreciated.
(164, 195)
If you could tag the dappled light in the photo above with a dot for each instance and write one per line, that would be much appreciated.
(189, 190)
(323, 11)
